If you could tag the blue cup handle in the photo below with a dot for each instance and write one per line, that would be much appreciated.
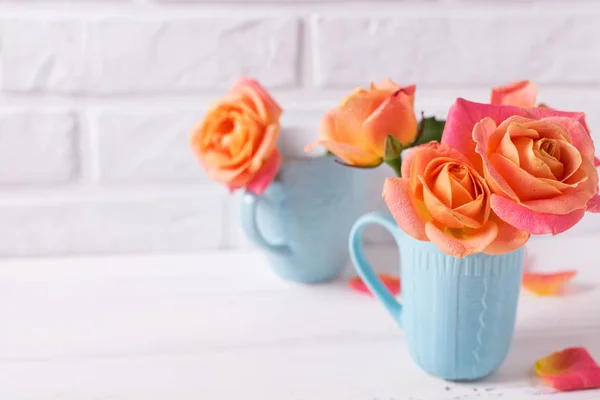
(364, 268)
(248, 210)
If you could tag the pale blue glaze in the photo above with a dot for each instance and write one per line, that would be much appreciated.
(303, 219)
(458, 314)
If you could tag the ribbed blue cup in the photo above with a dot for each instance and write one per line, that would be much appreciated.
(303, 219)
(458, 314)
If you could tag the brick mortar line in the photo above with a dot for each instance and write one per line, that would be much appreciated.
(50, 197)
(197, 99)
(341, 8)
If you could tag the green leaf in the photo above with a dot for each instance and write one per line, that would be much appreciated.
(329, 153)
(393, 148)
(430, 129)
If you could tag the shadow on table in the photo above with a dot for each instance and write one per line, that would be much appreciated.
(575, 289)
(528, 347)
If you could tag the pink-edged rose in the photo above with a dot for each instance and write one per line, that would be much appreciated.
(236, 142)
(538, 162)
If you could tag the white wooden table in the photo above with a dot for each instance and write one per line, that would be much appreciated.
(222, 326)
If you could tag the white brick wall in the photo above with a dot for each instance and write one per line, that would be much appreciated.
(145, 146)
(97, 97)
(124, 55)
(37, 147)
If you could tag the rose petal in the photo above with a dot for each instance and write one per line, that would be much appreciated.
(593, 205)
(532, 162)
(265, 175)
(351, 154)
(547, 128)
(521, 94)
(474, 211)
(547, 284)
(533, 222)
(596, 162)
(464, 114)
(440, 182)
(451, 189)
(394, 116)
(246, 104)
(570, 199)
(407, 159)
(409, 90)
(571, 159)
(265, 104)
(482, 132)
(386, 84)
(526, 186)
(513, 127)
(462, 117)
(581, 136)
(392, 87)
(225, 174)
(506, 147)
(269, 142)
(520, 128)
(351, 115)
(442, 213)
(564, 361)
(541, 113)
(570, 369)
(462, 191)
(327, 125)
(425, 153)
(471, 242)
(397, 195)
(392, 283)
(207, 138)
(509, 238)
(580, 176)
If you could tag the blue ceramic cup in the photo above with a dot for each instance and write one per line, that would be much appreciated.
(303, 219)
(458, 314)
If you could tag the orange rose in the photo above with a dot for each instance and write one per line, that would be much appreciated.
(538, 162)
(542, 168)
(520, 94)
(357, 130)
(443, 199)
(236, 142)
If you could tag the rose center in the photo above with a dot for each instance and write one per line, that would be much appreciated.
(457, 171)
(550, 148)
(223, 132)
(460, 174)
(225, 126)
